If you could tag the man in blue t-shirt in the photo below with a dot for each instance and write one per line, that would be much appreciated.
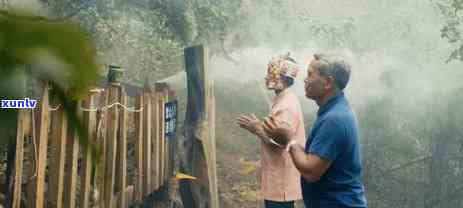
(330, 163)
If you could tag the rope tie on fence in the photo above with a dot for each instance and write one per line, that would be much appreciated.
(129, 109)
(34, 144)
(88, 109)
(50, 108)
(105, 108)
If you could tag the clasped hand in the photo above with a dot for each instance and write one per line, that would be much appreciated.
(279, 130)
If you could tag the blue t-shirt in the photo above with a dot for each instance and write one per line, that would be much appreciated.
(334, 137)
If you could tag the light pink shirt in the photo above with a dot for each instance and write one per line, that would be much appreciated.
(280, 180)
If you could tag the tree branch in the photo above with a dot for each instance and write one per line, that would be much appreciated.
(226, 55)
(406, 164)
(419, 159)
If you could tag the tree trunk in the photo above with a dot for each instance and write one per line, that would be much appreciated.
(199, 159)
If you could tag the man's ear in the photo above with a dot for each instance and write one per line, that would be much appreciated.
(327, 82)
(330, 82)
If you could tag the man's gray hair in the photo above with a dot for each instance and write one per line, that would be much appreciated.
(335, 67)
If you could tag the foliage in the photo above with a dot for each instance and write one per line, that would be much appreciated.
(206, 22)
(336, 34)
(30, 40)
(25, 39)
(146, 38)
(451, 10)
(135, 38)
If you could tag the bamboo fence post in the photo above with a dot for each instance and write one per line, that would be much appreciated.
(122, 154)
(58, 152)
(167, 142)
(111, 144)
(100, 170)
(19, 156)
(37, 190)
(72, 157)
(138, 193)
(147, 140)
(90, 124)
(163, 141)
(156, 154)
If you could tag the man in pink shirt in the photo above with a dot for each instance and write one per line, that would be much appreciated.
(280, 180)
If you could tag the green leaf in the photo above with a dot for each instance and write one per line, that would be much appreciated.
(58, 52)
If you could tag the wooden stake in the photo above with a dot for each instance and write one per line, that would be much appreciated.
(72, 156)
(38, 189)
(138, 195)
(155, 137)
(111, 145)
(101, 141)
(18, 165)
(166, 167)
(122, 154)
(90, 124)
(58, 152)
(147, 141)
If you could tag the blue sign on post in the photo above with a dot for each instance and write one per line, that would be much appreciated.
(170, 117)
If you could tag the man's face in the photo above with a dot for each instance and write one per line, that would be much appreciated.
(316, 85)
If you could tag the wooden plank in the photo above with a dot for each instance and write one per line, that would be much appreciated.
(19, 156)
(166, 140)
(90, 124)
(72, 157)
(156, 153)
(58, 152)
(162, 139)
(159, 126)
(138, 192)
(38, 189)
(147, 141)
(122, 154)
(101, 141)
(30, 147)
(111, 145)
(174, 191)
(213, 156)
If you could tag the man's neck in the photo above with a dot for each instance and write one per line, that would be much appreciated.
(322, 101)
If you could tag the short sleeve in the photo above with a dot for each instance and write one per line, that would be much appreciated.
(329, 141)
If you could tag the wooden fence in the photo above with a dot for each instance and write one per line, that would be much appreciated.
(52, 169)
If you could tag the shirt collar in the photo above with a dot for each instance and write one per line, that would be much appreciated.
(330, 103)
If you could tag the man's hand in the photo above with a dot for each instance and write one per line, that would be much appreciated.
(251, 123)
(280, 131)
